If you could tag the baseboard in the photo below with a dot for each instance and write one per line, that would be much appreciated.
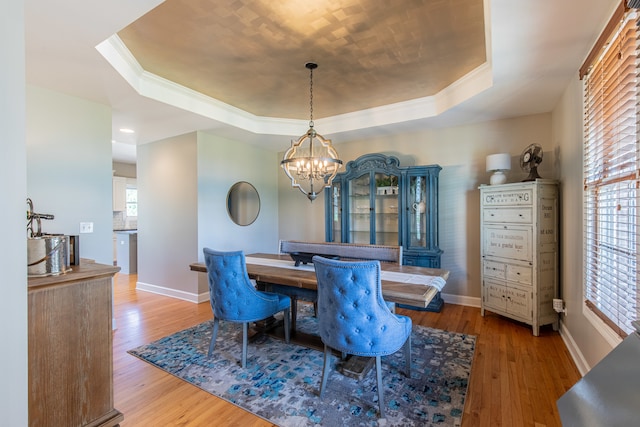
(461, 300)
(173, 293)
(574, 350)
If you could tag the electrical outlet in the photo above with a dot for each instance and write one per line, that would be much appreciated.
(86, 227)
(558, 305)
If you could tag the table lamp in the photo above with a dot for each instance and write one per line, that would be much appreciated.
(498, 163)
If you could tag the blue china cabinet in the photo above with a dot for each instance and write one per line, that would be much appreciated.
(375, 201)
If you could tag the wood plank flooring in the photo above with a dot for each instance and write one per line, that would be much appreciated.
(515, 380)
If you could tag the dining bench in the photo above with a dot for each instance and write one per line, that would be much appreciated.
(350, 251)
(302, 253)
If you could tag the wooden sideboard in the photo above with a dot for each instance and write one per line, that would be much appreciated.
(71, 349)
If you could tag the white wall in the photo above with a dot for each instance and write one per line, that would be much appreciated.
(69, 167)
(13, 177)
(168, 216)
(587, 338)
(461, 151)
(182, 189)
(222, 163)
(585, 342)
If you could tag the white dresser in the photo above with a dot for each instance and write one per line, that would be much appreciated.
(519, 248)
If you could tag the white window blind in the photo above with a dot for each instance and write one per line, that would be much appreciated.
(611, 178)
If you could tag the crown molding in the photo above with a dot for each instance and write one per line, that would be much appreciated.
(162, 90)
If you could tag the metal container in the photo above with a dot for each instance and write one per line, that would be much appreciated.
(47, 255)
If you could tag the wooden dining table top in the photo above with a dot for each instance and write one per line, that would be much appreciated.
(414, 294)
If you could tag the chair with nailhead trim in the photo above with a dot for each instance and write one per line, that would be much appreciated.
(234, 298)
(354, 319)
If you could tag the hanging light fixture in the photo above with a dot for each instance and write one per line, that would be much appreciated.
(313, 166)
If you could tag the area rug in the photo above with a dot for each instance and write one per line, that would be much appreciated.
(281, 381)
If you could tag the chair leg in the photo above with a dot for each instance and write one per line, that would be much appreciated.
(407, 357)
(214, 335)
(245, 333)
(287, 325)
(380, 386)
(294, 313)
(325, 369)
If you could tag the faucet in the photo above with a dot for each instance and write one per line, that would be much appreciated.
(31, 215)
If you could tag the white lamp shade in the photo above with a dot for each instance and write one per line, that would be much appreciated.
(498, 162)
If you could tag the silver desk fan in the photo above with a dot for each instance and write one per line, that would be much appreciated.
(530, 158)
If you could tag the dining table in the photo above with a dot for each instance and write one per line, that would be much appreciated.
(403, 284)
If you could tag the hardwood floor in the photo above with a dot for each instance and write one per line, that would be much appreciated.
(515, 380)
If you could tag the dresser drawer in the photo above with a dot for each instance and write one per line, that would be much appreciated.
(517, 215)
(519, 273)
(508, 241)
(501, 197)
(494, 269)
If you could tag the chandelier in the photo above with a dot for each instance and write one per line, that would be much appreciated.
(311, 162)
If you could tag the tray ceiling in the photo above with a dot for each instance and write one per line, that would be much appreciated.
(251, 54)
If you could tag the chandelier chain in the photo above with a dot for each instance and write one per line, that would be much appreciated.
(311, 97)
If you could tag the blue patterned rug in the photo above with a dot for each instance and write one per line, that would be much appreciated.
(281, 381)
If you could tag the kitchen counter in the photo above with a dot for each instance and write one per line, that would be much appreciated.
(127, 251)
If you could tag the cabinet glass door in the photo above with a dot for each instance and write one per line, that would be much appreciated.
(336, 212)
(417, 205)
(386, 223)
(360, 209)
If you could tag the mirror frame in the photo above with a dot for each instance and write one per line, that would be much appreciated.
(252, 195)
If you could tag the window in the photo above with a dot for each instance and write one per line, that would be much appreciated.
(132, 201)
(611, 173)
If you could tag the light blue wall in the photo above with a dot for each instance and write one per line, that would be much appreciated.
(13, 190)
(69, 167)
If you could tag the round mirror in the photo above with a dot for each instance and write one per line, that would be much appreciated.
(243, 203)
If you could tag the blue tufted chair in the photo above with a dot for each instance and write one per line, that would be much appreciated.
(354, 319)
(234, 298)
